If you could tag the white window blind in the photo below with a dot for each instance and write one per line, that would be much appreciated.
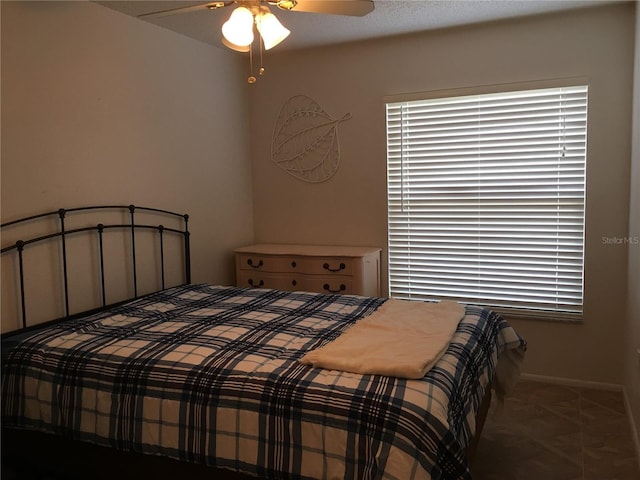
(486, 200)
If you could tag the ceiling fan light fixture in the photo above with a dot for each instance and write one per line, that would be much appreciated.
(238, 30)
(271, 30)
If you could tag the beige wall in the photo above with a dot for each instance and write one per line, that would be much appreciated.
(98, 107)
(350, 208)
(632, 358)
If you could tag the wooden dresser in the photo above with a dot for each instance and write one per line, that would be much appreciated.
(310, 268)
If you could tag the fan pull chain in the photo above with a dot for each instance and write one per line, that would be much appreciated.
(261, 70)
(251, 78)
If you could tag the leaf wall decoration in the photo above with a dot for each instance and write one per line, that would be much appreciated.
(305, 140)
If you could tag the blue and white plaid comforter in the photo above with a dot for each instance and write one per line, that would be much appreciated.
(209, 374)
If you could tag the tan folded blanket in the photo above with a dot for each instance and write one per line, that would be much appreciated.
(401, 339)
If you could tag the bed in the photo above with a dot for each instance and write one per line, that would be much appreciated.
(205, 381)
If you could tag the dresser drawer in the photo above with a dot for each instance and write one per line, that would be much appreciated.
(332, 284)
(323, 265)
(302, 283)
(295, 264)
(265, 263)
(265, 280)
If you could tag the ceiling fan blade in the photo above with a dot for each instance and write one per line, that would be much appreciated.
(356, 8)
(192, 8)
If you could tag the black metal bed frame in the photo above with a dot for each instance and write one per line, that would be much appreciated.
(63, 233)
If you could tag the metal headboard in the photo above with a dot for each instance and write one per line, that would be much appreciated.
(62, 233)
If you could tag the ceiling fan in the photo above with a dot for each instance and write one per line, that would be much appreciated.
(238, 30)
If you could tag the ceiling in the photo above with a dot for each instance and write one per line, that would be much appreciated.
(390, 17)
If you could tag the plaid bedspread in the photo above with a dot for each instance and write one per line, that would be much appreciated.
(209, 374)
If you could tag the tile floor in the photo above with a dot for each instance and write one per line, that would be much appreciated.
(552, 432)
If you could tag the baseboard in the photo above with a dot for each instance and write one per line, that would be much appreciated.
(571, 382)
(634, 430)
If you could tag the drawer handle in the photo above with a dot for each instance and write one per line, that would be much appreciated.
(293, 264)
(250, 263)
(328, 288)
(256, 286)
(342, 266)
(294, 283)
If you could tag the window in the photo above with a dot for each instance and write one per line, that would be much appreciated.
(486, 200)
